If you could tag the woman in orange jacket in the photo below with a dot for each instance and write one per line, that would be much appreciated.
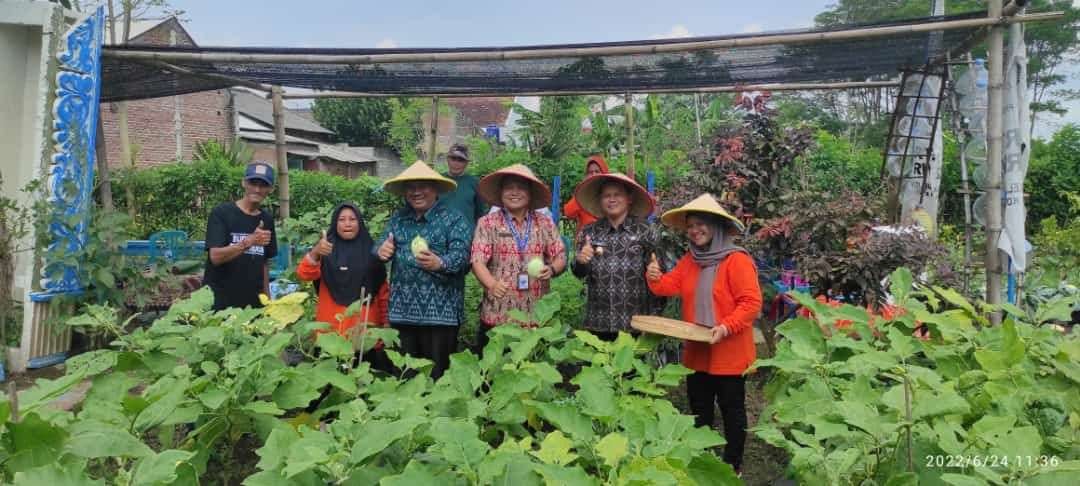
(341, 264)
(595, 164)
(718, 284)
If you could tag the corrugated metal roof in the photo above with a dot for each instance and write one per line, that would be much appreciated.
(351, 155)
(262, 110)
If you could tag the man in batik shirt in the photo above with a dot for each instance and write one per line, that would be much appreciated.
(613, 253)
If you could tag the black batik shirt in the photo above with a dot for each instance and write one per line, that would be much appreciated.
(615, 281)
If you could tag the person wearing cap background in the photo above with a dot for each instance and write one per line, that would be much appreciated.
(240, 241)
(508, 241)
(427, 246)
(718, 284)
(594, 165)
(464, 199)
(613, 253)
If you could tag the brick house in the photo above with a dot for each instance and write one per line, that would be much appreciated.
(164, 130)
(468, 117)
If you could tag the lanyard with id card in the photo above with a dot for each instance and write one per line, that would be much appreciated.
(521, 241)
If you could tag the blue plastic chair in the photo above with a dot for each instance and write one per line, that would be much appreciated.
(169, 245)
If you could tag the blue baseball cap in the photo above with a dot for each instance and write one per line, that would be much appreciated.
(260, 170)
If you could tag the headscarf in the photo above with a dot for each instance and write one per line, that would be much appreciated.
(350, 266)
(599, 160)
(722, 245)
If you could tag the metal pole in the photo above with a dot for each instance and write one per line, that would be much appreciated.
(994, 129)
(433, 142)
(282, 156)
(629, 110)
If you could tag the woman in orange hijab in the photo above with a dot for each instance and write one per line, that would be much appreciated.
(595, 164)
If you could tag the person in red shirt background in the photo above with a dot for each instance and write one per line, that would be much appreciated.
(341, 264)
(595, 164)
(718, 284)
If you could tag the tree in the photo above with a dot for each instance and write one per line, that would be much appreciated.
(356, 121)
(1054, 172)
(555, 131)
(1050, 45)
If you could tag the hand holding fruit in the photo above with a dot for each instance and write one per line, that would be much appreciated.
(429, 261)
(322, 248)
(652, 272)
(587, 252)
(539, 270)
(386, 250)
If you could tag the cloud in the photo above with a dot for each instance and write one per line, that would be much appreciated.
(386, 43)
(751, 28)
(677, 31)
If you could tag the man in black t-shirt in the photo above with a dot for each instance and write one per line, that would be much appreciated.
(240, 242)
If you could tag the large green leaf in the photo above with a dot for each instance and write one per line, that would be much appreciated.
(566, 417)
(333, 344)
(509, 466)
(555, 449)
(378, 435)
(612, 448)
(276, 449)
(92, 439)
(56, 475)
(160, 410)
(415, 474)
(565, 476)
(457, 441)
(708, 469)
(596, 391)
(34, 443)
(160, 467)
(805, 338)
(900, 283)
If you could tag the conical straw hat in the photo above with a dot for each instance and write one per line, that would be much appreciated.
(418, 171)
(676, 218)
(587, 195)
(490, 187)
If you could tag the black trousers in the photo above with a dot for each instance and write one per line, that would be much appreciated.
(436, 343)
(705, 391)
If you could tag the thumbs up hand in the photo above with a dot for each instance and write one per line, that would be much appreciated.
(322, 248)
(587, 252)
(386, 250)
(652, 271)
(260, 237)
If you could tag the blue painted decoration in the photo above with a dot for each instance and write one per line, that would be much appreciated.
(71, 172)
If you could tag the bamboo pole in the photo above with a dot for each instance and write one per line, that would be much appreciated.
(628, 108)
(966, 189)
(279, 148)
(994, 129)
(433, 142)
(706, 89)
(697, 117)
(505, 54)
(103, 164)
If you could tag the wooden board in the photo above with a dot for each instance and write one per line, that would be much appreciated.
(672, 328)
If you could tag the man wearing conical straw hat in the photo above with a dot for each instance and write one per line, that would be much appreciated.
(614, 251)
(718, 284)
(516, 251)
(427, 247)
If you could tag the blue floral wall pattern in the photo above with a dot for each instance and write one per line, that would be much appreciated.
(71, 173)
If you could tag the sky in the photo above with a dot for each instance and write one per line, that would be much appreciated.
(404, 23)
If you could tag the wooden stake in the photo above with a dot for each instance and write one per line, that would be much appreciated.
(501, 54)
(282, 155)
(628, 108)
(433, 142)
(995, 135)
(103, 164)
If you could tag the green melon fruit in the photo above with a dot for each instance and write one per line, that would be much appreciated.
(419, 244)
(535, 266)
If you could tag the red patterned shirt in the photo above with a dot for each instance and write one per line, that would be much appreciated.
(494, 245)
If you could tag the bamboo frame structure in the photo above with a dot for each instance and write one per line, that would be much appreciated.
(433, 143)
(994, 19)
(628, 108)
(707, 89)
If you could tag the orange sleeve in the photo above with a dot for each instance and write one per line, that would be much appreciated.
(742, 279)
(308, 271)
(571, 209)
(670, 284)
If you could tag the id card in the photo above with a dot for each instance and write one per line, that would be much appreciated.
(523, 281)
